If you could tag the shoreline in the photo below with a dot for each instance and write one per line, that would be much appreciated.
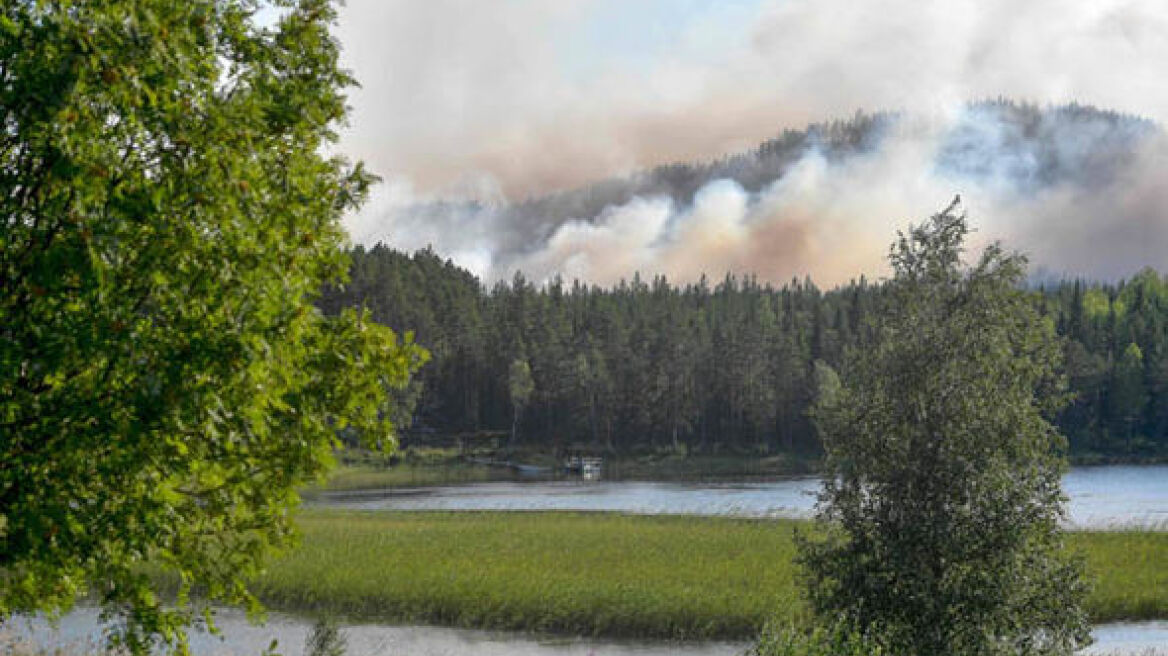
(418, 467)
(79, 632)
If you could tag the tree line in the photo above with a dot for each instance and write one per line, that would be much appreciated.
(708, 367)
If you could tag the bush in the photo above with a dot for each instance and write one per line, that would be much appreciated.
(838, 639)
(326, 639)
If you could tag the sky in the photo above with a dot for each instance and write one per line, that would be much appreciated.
(500, 100)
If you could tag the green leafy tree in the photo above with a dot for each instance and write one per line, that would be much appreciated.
(942, 483)
(169, 216)
(521, 386)
(830, 640)
(826, 386)
(1128, 394)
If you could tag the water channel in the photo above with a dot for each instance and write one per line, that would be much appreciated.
(1100, 497)
(79, 631)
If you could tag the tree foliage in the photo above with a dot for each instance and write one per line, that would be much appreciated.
(731, 366)
(326, 639)
(836, 639)
(520, 385)
(166, 383)
(942, 476)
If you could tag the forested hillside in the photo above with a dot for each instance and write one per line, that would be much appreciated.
(730, 365)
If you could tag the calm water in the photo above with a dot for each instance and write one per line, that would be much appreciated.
(1101, 497)
(80, 628)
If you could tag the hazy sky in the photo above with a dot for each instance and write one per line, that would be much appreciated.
(500, 99)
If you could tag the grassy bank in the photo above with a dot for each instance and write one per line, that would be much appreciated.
(672, 467)
(361, 469)
(417, 466)
(606, 574)
(365, 477)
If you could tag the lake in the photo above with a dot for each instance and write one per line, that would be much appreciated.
(80, 629)
(1100, 497)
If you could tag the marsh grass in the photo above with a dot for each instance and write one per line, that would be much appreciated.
(587, 574)
(605, 574)
(676, 467)
(366, 477)
(1129, 572)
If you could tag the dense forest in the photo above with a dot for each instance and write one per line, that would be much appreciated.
(725, 366)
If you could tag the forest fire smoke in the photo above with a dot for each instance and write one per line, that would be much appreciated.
(468, 109)
(1077, 188)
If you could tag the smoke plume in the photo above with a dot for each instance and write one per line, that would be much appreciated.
(492, 124)
(1079, 189)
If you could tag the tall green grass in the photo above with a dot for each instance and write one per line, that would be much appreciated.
(363, 477)
(606, 574)
(1129, 571)
(598, 574)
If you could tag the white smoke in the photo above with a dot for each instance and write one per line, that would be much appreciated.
(523, 91)
(395, 214)
(469, 101)
(1089, 202)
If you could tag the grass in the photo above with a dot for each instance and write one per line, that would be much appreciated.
(365, 477)
(598, 574)
(1129, 571)
(606, 574)
(361, 469)
(707, 467)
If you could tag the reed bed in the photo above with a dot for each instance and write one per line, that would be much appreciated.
(1129, 572)
(606, 574)
(362, 477)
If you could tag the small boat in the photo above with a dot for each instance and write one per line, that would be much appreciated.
(589, 468)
